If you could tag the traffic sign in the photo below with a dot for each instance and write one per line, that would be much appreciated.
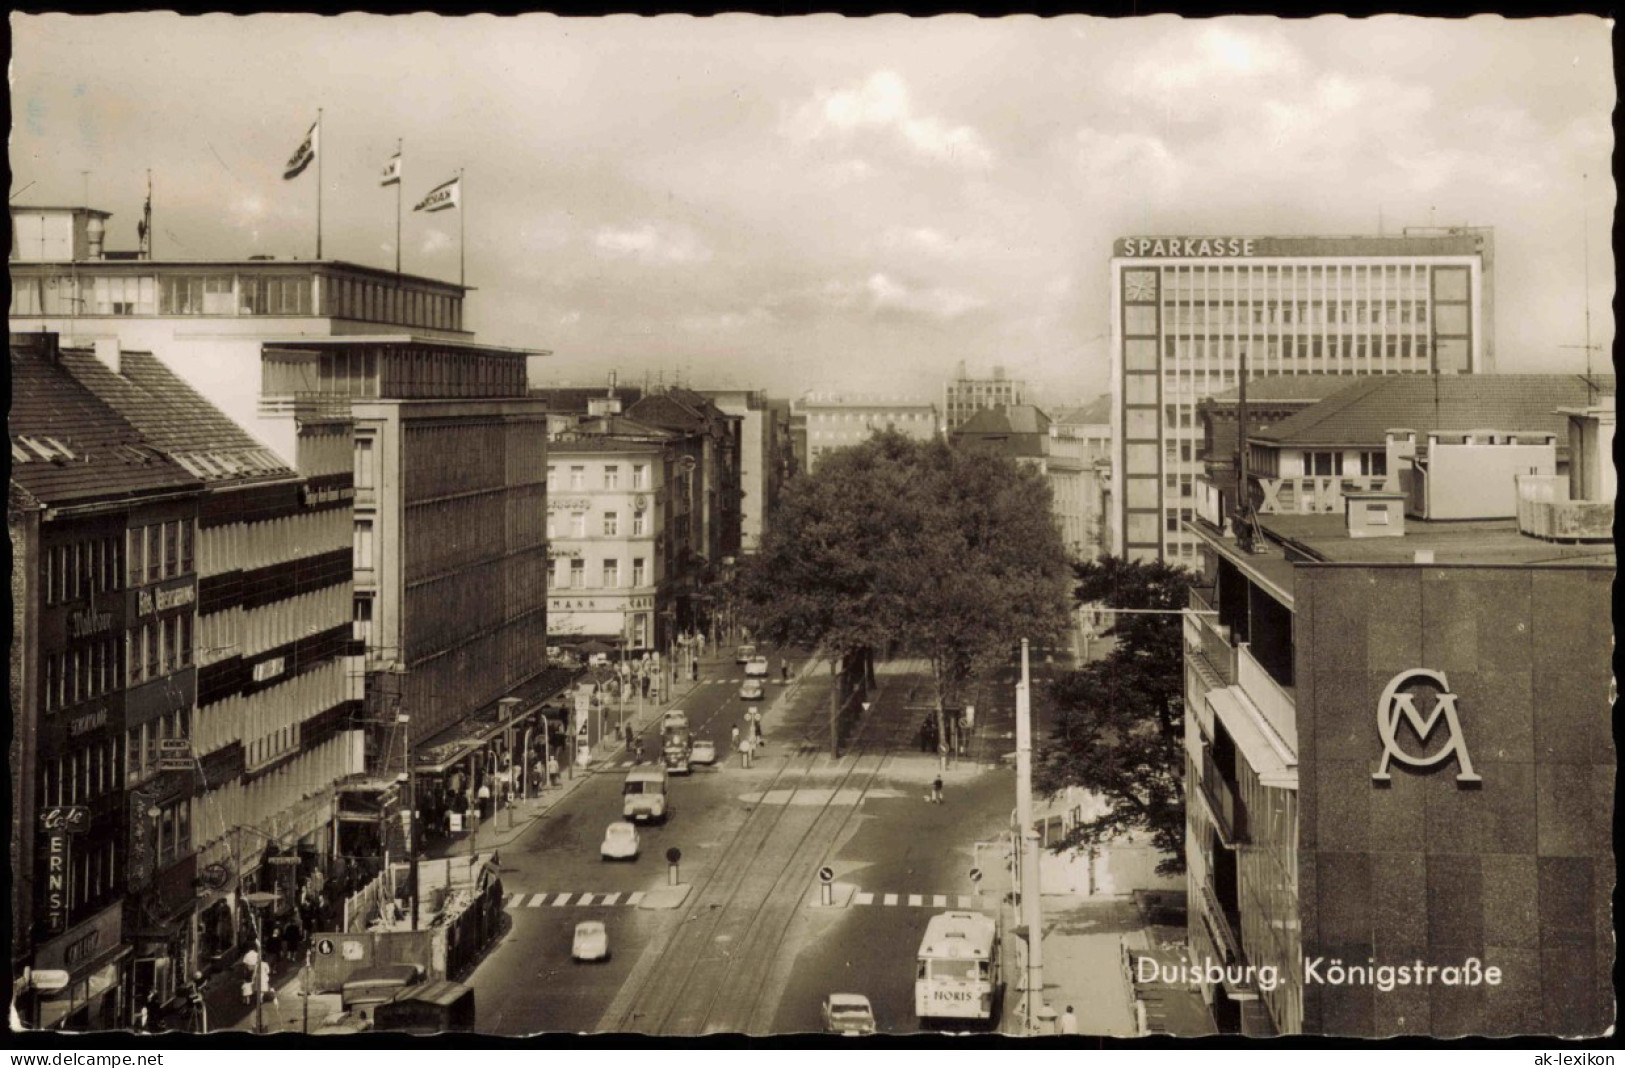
(324, 946)
(976, 875)
(826, 874)
(673, 855)
(175, 746)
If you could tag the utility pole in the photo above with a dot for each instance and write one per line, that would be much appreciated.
(1031, 913)
(411, 808)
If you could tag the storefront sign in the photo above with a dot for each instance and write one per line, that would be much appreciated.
(83, 948)
(569, 504)
(65, 819)
(85, 623)
(579, 605)
(1399, 702)
(56, 881)
(86, 723)
(555, 552)
(150, 601)
(1187, 247)
(82, 944)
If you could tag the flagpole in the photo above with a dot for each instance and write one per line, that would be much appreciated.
(320, 152)
(398, 184)
(148, 213)
(462, 230)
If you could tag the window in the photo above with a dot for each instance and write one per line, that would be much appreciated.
(1320, 464)
(1374, 464)
(578, 574)
(612, 524)
(134, 657)
(53, 671)
(612, 574)
(578, 524)
(172, 549)
(639, 524)
(640, 476)
(149, 641)
(612, 476)
(578, 477)
(155, 552)
(639, 577)
(365, 474)
(363, 545)
(552, 477)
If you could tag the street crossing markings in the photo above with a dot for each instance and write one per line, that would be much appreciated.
(934, 901)
(863, 899)
(970, 901)
(634, 897)
(610, 899)
(915, 900)
(562, 899)
(939, 901)
(891, 899)
(584, 899)
(551, 899)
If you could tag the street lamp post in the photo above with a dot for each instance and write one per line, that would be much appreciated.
(255, 902)
(410, 774)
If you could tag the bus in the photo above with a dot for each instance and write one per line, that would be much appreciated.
(957, 974)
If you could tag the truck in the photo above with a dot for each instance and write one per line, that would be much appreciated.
(675, 749)
(643, 796)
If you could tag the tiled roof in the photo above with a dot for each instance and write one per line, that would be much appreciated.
(1095, 412)
(170, 414)
(1362, 413)
(69, 446)
(1012, 419)
(1293, 387)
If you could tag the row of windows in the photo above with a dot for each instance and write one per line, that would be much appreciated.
(1392, 279)
(611, 476)
(574, 577)
(375, 302)
(80, 777)
(81, 674)
(1303, 313)
(158, 648)
(75, 571)
(247, 546)
(159, 551)
(873, 417)
(611, 528)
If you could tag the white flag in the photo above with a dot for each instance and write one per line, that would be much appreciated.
(303, 155)
(442, 196)
(392, 171)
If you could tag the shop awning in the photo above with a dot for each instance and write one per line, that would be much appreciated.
(454, 744)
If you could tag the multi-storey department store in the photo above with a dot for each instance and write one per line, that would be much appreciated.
(1187, 311)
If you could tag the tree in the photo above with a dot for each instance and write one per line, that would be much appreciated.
(949, 555)
(1119, 722)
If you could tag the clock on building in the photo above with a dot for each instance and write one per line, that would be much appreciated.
(1140, 285)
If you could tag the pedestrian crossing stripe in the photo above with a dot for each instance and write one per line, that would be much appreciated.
(934, 901)
(529, 900)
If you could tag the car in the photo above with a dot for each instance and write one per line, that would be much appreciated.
(703, 752)
(676, 719)
(756, 667)
(848, 1014)
(744, 653)
(591, 941)
(620, 842)
(751, 690)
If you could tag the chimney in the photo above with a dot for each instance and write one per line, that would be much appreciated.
(95, 231)
(109, 353)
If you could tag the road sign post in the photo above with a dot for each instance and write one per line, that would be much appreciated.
(673, 855)
(826, 892)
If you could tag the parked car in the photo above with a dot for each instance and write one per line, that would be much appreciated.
(751, 690)
(703, 752)
(591, 941)
(744, 653)
(756, 667)
(848, 1014)
(674, 719)
(620, 842)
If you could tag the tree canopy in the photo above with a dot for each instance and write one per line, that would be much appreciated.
(946, 554)
(1118, 729)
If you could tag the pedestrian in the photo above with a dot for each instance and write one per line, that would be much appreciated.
(484, 798)
(552, 769)
(644, 682)
(756, 731)
(733, 740)
(936, 790)
(694, 669)
(784, 671)
(1069, 1022)
(637, 744)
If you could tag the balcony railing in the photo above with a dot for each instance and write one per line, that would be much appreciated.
(1275, 701)
(1223, 923)
(1229, 812)
(1211, 640)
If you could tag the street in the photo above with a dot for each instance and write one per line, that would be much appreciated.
(748, 947)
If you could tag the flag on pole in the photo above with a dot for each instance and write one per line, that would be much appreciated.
(303, 155)
(392, 171)
(442, 196)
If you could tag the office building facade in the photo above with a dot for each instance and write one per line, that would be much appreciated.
(1186, 313)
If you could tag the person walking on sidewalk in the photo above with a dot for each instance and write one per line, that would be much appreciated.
(694, 669)
(936, 790)
(784, 671)
(552, 770)
(1069, 1022)
(484, 798)
(733, 740)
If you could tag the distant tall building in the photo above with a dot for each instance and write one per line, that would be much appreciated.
(1187, 310)
(836, 420)
(963, 396)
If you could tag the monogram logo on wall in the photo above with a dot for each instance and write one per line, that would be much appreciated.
(1398, 704)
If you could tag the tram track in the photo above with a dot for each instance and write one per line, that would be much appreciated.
(709, 974)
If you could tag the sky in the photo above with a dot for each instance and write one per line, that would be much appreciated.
(828, 203)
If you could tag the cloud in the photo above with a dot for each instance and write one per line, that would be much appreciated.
(434, 241)
(727, 322)
(1128, 160)
(882, 104)
(653, 244)
(927, 240)
(881, 293)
